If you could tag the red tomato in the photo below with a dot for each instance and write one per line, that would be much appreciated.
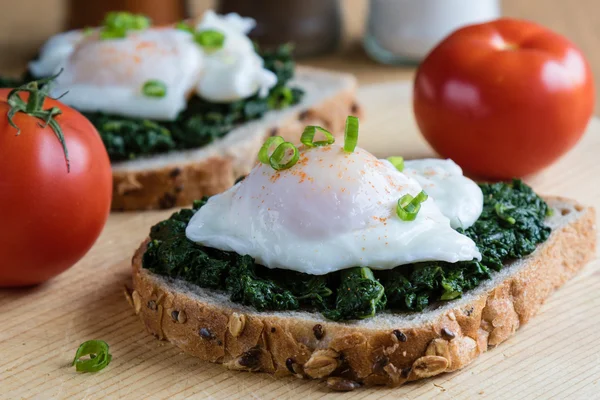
(49, 216)
(503, 99)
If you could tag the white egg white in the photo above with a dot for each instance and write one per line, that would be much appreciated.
(55, 52)
(458, 197)
(332, 210)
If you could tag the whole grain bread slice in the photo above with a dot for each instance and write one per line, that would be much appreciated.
(177, 178)
(389, 349)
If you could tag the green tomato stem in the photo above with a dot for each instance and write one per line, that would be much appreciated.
(34, 107)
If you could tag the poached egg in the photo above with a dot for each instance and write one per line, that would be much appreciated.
(332, 210)
(107, 75)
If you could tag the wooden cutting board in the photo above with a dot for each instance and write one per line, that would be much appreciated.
(556, 356)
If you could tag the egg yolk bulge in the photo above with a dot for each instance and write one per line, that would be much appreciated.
(330, 211)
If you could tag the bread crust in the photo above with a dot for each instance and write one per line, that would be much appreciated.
(349, 354)
(180, 183)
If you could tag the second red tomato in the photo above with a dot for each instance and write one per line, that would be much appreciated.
(503, 99)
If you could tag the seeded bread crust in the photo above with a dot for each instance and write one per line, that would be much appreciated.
(389, 349)
(176, 179)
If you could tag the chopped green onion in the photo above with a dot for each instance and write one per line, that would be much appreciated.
(280, 97)
(99, 356)
(309, 134)
(283, 151)
(88, 30)
(351, 134)
(117, 23)
(408, 206)
(210, 39)
(139, 22)
(501, 210)
(184, 26)
(397, 162)
(108, 35)
(421, 197)
(154, 88)
(264, 154)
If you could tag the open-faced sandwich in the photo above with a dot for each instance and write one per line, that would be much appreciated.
(181, 108)
(326, 262)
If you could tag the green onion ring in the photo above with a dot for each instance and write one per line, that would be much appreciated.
(351, 134)
(184, 26)
(408, 206)
(397, 162)
(117, 23)
(210, 39)
(154, 88)
(309, 134)
(99, 356)
(421, 197)
(264, 154)
(280, 153)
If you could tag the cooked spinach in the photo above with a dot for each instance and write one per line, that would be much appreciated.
(359, 295)
(245, 286)
(511, 224)
(414, 287)
(311, 290)
(510, 227)
(199, 124)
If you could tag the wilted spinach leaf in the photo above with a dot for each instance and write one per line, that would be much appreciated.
(359, 295)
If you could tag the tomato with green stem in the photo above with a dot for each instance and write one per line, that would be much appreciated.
(55, 185)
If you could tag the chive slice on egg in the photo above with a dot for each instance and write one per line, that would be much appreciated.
(264, 154)
(139, 22)
(110, 34)
(99, 357)
(184, 26)
(117, 23)
(285, 150)
(309, 134)
(408, 206)
(351, 134)
(210, 39)
(397, 162)
(154, 88)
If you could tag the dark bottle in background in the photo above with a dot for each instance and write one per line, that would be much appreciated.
(314, 26)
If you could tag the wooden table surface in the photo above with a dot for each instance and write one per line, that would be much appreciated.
(556, 355)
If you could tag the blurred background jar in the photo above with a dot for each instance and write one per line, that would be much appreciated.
(404, 31)
(313, 26)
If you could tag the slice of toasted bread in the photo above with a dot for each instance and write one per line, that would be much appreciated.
(390, 348)
(177, 178)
